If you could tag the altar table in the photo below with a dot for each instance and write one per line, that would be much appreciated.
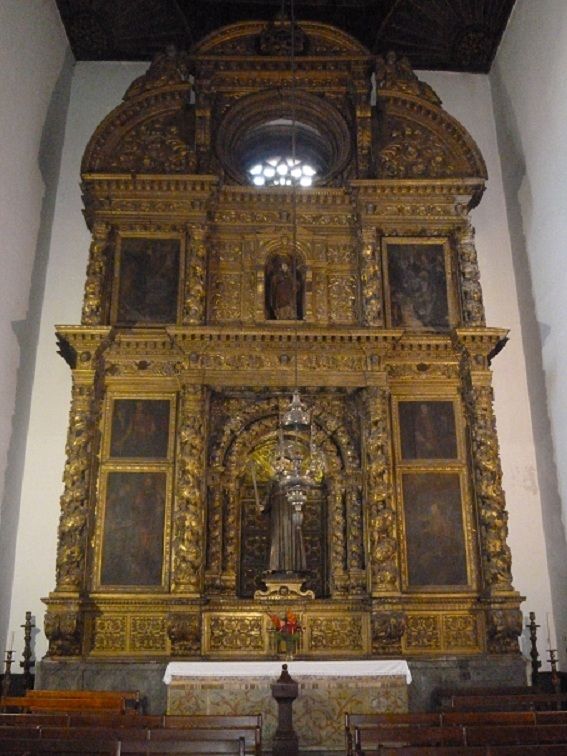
(327, 689)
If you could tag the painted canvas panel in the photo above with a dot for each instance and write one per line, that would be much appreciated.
(434, 530)
(132, 551)
(149, 281)
(427, 430)
(418, 286)
(140, 428)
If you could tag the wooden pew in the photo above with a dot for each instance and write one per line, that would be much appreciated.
(113, 719)
(368, 739)
(31, 747)
(220, 746)
(418, 719)
(251, 736)
(251, 722)
(516, 702)
(512, 718)
(107, 700)
(492, 735)
(30, 720)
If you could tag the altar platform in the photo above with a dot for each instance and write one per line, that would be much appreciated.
(327, 689)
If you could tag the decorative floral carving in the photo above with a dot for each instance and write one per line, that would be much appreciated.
(71, 550)
(460, 631)
(371, 280)
(382, 516)
(64, 633)
(504, 627)
(471, 292)
(387, 632)
(237, 634)
(147, 634)
(412, 151)
(184, 632)
(96, 276)
(496, 556)
(194, 309)
(423, 632)
(396, 74)
(110, 634)
(336, 633)
(188, 513)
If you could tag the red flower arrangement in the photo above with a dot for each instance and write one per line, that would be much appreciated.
(287, 630)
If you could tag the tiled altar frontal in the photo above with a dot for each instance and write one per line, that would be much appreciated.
(318, 712)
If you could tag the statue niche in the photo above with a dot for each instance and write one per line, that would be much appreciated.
(276, 538)
(284, 286)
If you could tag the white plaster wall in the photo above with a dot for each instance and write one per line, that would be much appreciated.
(529, 81)
(97, 87)
(35, 62)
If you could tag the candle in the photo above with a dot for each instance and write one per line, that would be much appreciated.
(548, 630)
(12, 641)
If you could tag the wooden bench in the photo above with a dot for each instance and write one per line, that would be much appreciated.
(251, 736)
(368, 739)
(30, 747)
(417, 719)
(220, 746)
(517, 735)
(30, 720)
(511, 718)
(107, 700)
(212, 721)
(508, 703)
(113, 719)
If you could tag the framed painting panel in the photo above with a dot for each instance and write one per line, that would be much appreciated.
(140, 428)
(427, 430)
(418, 290)
(434, 530)
(132, 550)
(148, 276)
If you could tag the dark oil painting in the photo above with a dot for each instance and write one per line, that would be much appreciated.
(427, 430)
(140, 428)
(418, 286)
(132, 552)
(434, 530)
(149, 281)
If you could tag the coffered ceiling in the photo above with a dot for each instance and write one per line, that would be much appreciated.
(455, 35)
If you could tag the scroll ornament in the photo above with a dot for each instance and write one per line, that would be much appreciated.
(64, 632)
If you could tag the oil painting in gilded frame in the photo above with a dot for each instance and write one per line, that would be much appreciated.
(434, 529)
(140, 428)
(427, 430)
(147, 288)
(133, 532)
(417, 283)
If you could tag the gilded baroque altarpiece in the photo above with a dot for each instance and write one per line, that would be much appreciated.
(180, 373)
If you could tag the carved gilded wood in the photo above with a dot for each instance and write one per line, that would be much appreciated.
(400, 394)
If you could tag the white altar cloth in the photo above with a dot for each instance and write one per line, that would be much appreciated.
(366, 668)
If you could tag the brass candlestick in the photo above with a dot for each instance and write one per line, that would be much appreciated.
(27, 663)
(536, 664)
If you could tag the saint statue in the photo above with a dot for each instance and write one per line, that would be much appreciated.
(284, 296)
(287, 549)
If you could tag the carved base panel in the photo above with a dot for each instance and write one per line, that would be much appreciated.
(148, 627)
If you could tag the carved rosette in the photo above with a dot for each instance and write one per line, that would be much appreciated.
(388, 629)
(184, 632)
(96, 276)
(73, 520)
(382, 516)
(194, 305)
(496, 556)
(371, 279)
(188, 519)
(471, 292)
